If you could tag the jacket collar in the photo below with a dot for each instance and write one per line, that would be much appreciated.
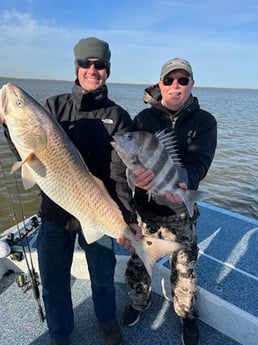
(84, 98)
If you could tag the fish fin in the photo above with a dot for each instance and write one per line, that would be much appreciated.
(169, 141)
(28, 180)
(130, 180)
(104, 189)
(153, 249)
(18, 165)
(151, 195)
(100, 183)
(189, 197)
(91, 235)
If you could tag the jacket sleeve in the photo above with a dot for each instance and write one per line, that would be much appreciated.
(118, 175)
(199, 153)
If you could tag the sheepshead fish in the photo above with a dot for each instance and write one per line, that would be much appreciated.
(50, 160)
(157, 152)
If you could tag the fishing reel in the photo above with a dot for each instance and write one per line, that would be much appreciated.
(12, 243)
(18, 245)
(31, 281)
(24, 282)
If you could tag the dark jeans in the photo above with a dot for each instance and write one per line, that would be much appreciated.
(55, 253)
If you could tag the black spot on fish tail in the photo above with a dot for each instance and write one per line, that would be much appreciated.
(149, 243)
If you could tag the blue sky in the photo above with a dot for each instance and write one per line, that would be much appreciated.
(218, 37)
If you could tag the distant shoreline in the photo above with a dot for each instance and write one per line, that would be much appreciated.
(122, 83)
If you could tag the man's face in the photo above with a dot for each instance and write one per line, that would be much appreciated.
(174, 94)
(92, 76)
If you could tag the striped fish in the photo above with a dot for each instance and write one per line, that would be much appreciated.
(156, 152)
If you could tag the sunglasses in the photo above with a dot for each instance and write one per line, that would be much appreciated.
(98, 64)
(181, 81)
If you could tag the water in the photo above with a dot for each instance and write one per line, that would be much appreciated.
(232, 181)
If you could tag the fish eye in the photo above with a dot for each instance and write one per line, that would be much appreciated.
(19, 103)
(130, 137)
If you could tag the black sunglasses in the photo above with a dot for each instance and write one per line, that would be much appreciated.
(181, 81)
(98, 64)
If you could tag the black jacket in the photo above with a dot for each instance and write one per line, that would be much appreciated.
(90, 119)
(196, 133)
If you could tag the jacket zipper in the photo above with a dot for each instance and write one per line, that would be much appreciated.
(173, 120)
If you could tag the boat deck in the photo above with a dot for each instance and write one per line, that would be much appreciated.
(227, 291)
(20, 323)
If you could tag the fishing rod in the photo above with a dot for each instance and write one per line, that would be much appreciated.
(22, 281)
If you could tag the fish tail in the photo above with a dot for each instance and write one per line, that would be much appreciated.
(152, 249)
(190, 197)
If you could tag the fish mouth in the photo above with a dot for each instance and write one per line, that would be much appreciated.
(3, 101)
(115, 145)
(118, 149)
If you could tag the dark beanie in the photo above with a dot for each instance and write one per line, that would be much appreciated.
(92, 48)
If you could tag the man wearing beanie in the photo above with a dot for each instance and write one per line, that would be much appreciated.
(90, 119)
(174, 109)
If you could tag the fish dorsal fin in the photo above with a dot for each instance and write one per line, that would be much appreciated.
(101, 185)
(104, 189)
(169, 141)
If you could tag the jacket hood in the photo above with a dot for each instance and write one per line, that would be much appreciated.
(152, 96)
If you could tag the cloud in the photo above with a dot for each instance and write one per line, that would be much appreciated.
(29, 46)
(218, 38)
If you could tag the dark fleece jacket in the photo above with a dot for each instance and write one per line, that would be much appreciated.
(196, 133)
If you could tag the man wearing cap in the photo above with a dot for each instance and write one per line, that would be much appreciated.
(173, 108)
(90, 119)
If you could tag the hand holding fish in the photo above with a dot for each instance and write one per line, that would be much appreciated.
(174, 197)
(137, 231)
(144, 178)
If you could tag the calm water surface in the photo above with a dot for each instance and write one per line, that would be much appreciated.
(232, 181)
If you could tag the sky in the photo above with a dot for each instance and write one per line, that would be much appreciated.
(218, 37)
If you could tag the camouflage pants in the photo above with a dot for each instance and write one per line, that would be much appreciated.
(183, 267)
